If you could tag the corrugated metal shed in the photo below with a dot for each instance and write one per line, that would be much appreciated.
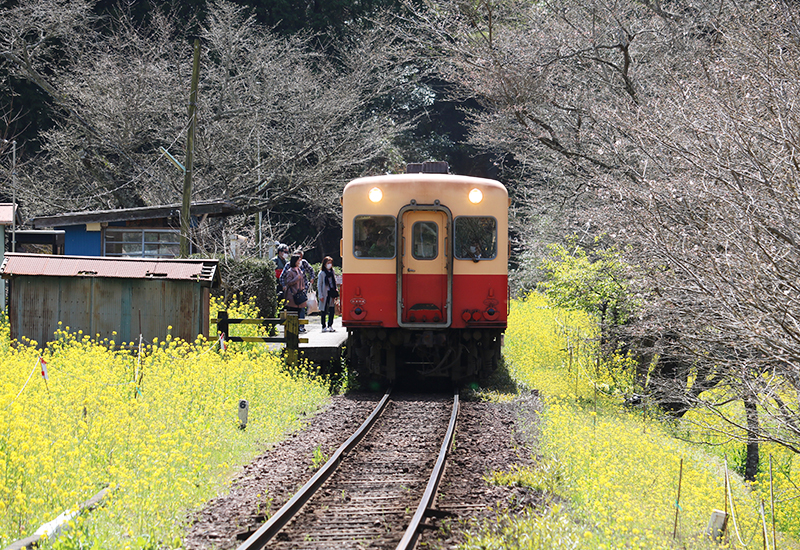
(103, 296)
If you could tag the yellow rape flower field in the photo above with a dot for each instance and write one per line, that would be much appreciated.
(159, 428)
(610, 475)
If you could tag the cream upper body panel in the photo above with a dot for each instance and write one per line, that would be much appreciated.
(451, 191)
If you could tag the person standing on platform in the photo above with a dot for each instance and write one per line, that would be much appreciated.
(308, 276)
(280, 261)
(294, 283)
(327, 293)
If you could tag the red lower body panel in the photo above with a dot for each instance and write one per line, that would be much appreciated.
(369, 299)
(477, 300)
(424, 298)
(484, 297)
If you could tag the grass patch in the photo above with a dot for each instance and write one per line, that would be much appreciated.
(552, 529)
(319, 459)
(500, 387)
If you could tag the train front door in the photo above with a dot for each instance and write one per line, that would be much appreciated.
(425, 268)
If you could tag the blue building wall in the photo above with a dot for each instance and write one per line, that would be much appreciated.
(79, 242)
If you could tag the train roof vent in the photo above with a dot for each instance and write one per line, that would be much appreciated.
(430, 167)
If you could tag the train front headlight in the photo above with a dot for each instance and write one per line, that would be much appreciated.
(375, 194)
(475, 196)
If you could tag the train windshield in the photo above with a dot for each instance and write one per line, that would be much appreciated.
(374, 236)
(475, 238)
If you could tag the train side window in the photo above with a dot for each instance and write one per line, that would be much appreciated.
(374, 236)
(425, 239)
(475, 238)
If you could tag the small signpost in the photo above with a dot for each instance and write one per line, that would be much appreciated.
(716, 525)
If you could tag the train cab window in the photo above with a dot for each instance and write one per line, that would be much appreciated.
(374, 236)
(475, 238)
(425, 238)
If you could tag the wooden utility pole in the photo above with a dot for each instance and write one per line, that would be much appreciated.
(187, 177)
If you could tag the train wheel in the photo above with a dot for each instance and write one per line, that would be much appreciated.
(367, 359)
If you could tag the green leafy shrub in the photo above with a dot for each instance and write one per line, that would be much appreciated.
(597, 285)
(248, 278)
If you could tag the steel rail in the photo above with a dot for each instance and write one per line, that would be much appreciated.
(283, 516)
(409, 539)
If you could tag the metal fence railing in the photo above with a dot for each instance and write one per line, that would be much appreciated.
(291, 331)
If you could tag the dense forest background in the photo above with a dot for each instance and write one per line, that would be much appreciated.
(310, 31)
(651, 149)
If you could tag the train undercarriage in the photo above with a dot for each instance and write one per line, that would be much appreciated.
(390, 355)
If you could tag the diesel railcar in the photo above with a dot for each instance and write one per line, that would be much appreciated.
(425, 274)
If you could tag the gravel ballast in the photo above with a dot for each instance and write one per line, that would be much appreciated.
(490, 437)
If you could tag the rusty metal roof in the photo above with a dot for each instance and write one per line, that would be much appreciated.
(204, 271)
(197, 208)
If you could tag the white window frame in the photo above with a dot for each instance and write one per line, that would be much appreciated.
(142, 242)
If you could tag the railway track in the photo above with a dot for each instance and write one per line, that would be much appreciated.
(377, 489)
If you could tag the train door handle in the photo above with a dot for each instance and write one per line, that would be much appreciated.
(412, 270)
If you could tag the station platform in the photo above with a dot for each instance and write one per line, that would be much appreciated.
(322, 348)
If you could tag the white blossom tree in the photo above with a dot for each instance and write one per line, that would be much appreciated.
(672, 129)
(276, 119)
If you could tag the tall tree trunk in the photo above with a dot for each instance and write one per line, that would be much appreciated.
(753, 428)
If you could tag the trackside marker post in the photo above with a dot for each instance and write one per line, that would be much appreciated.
(717, 525)
(243, 408)
(43, 369)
